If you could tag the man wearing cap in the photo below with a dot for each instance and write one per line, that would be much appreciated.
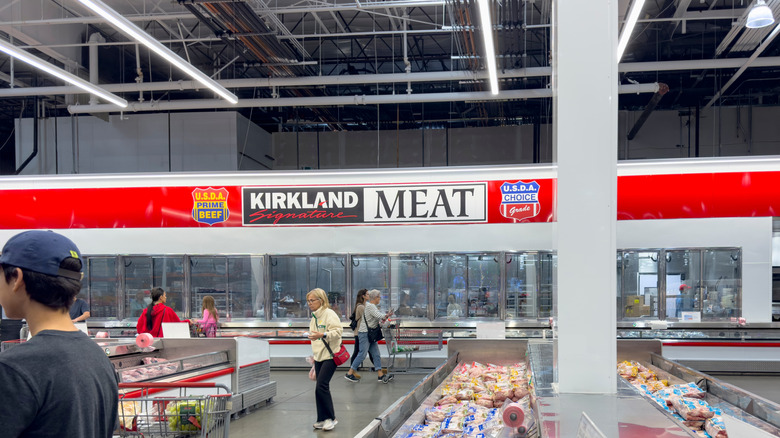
(59, 383)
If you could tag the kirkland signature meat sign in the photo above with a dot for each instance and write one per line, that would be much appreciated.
(419, 203)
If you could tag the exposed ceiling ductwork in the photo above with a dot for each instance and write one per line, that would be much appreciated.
(400, 54)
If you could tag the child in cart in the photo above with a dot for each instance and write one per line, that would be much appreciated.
(59, 383)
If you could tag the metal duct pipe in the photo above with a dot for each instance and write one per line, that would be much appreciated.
(662, 89)
(284, 82)
(94, 39)
(194, 104)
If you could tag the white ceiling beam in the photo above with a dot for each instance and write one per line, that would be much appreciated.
(744, 66)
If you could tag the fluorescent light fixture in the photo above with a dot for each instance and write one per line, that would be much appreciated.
(139, 35)
(759, 16)
(53, 70)
(633, 16)
(490, 51)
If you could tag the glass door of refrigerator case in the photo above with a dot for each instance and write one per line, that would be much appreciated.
(208, 277)
(484, 280)
(329, 273)
(409, 280)
(721, 284)
(450, 274)
(521, 285)
(683, 282)
(289, 286)
(103, 287)
(548, 264)
(168, 273)
(638, 284)
(245, 287)
(372, 272)
(137, 285)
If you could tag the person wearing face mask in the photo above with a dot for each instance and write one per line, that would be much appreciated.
(324, 327)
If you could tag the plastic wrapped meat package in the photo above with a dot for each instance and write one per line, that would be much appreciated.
(468, 407)
(715, 427)
(692, 410)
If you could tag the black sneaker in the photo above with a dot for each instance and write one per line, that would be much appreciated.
(387, 378)
(351, 378)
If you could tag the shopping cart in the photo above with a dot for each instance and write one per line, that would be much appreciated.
(5, 345)
(408, 341)
(142, 414)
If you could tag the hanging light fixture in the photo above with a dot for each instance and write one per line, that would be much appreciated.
(136, 33)
(53, 70)
(759, 16)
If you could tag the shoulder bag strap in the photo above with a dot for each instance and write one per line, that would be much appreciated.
(316, 322)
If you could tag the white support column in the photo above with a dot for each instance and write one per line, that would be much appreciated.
(585, 84)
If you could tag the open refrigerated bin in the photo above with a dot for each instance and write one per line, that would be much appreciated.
(628, 413)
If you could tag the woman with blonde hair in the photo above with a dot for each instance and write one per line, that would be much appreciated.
(210, 317)
(324, 327)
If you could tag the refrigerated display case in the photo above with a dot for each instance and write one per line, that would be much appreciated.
(242, 364)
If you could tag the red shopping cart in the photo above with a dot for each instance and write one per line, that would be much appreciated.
(162, 410)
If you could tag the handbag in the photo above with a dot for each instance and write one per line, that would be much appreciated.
(341, 356)
(374, 333)
(353, 322)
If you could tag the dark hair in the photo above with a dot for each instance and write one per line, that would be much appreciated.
(52, 291)
(361, 298)
(156, 294)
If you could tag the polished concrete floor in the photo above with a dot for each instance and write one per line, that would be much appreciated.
(293, 411)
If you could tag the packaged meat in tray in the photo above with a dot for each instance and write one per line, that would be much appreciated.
(715, 427)
(692, 409)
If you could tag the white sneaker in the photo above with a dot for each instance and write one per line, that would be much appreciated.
(329, 424)
(319, 424)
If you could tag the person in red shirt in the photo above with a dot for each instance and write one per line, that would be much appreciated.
(160, 314)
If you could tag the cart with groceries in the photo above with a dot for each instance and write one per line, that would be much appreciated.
(407, 341)
(157, 410)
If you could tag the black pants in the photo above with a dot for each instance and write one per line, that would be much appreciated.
(355, 352)
(324, 371)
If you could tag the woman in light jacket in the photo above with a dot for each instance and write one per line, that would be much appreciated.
(369, 316)
(325, 326)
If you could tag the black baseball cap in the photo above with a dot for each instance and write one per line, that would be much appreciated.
(41, 251)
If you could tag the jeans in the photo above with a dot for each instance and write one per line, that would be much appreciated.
(324, 371)
(365, 348)
(356, 351)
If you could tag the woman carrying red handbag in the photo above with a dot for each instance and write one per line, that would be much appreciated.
(325, 334)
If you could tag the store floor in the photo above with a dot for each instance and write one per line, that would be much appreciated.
(293, 411)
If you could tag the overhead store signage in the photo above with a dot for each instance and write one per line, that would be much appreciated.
(386, 204)
(640, 197)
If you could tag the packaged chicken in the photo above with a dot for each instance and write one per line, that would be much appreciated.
(715, 427)
(452, 425)
(691, 409)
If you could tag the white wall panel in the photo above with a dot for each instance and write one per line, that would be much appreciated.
(203, 141)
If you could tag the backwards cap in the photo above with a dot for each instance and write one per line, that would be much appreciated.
(42, 252)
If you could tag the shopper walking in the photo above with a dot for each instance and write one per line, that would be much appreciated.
(159, 312)
(210, 317)
(324, 327)
(59, 383)
(370, 317)
(360, 302)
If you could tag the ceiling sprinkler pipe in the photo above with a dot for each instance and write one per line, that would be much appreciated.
(210, 104)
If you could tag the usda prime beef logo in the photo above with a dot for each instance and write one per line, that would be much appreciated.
(302, 205)
(520, 200)
(210, 205)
